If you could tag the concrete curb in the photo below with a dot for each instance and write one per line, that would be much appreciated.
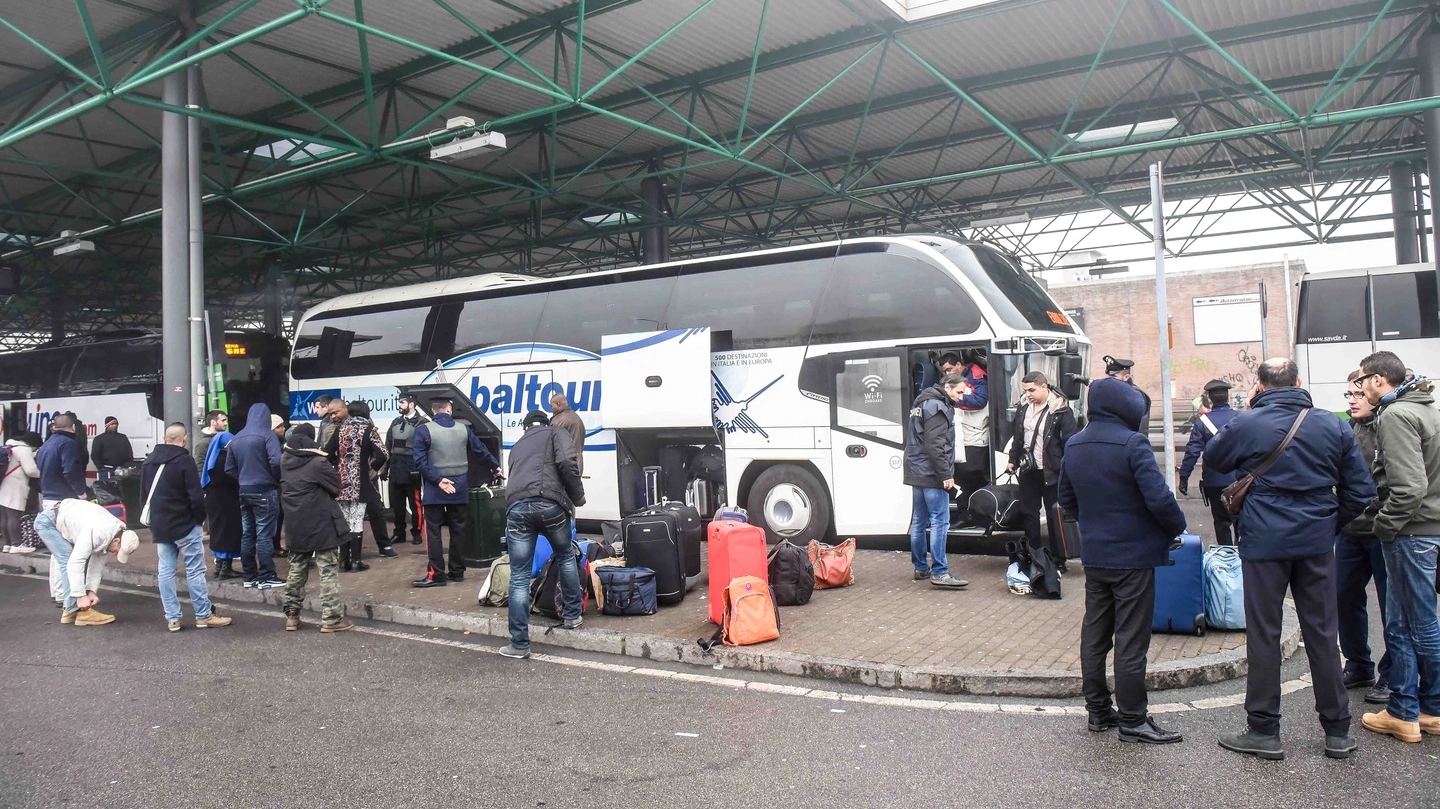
(944, 680)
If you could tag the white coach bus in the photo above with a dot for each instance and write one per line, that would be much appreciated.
(1345, 315)
(800, 364)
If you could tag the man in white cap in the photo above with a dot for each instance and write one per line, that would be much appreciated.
(80, 534)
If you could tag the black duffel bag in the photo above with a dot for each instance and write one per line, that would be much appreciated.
(998, 504)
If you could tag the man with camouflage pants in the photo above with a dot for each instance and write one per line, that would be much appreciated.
(314, 528)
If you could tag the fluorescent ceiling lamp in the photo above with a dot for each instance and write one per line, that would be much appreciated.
(611, 219)
(912, 10)
(1012, 219)
(292, 151)
(1126, 132)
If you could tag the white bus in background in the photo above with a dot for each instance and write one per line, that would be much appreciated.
(801, 363)
(1345, 315)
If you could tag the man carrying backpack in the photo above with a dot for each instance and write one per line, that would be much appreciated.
(541, 498)
(1212, 482)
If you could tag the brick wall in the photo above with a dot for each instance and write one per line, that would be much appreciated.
(1119, 318)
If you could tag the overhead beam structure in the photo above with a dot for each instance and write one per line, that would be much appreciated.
(765, 123)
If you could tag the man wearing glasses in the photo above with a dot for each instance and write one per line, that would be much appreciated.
(1358, 559)
(1407, 473)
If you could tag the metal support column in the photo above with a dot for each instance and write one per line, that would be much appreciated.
(1162, 310)
(1429, 58)
(174, 253)
(654, 233)
(197, 255)
(1402, 203)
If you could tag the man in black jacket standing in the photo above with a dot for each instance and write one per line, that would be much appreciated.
(400, 471)
(111, 449)
(177, 511)
(543, 493)
(929, 472)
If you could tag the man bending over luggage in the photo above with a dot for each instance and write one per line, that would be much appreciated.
(541, 498)
(1128, 517)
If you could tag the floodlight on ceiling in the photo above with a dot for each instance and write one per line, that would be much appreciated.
(1082, 258)
(1145, 130)
(998, 221)
(465, 148)
(73, 244)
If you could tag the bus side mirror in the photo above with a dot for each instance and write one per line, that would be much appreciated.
(1072, 376)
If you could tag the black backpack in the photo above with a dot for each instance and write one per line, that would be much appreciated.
(792, 576)
(708, 464)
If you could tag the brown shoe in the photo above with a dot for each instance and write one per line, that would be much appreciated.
(93, 617)
(341, 625)
(68, 617)
(1383, 722)
(293, 622)
(1429, 724)
(212, 620)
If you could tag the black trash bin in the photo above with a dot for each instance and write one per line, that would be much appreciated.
(484, 527)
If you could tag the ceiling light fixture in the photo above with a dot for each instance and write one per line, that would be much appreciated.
(1145, 130)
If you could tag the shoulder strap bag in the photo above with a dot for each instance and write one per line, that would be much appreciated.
(1234, 495)
(154, 484)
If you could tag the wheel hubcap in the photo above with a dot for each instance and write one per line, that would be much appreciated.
(787, 510)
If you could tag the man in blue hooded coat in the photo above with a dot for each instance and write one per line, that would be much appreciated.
(254, 461)
(1109, 480)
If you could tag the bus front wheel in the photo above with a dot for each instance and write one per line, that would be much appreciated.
(789, 503)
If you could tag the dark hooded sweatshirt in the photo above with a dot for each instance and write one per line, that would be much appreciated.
(178, 505)
(254, 456)
(313, 521)
(1109, 480)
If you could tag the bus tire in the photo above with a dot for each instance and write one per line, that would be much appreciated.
(789, 502)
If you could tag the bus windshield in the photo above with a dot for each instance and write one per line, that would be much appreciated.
(1016, 296)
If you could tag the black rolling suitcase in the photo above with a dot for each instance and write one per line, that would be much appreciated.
(652, 539)
(692, 532)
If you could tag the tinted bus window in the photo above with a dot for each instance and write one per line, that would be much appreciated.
(769, 306)
(578, 316)
(1015, 294)
(494, 321)
(1334, 310)
(382, 342)
(1405, 306)
(883, 296)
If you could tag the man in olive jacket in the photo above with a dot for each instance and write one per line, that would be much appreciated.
(1407, 475)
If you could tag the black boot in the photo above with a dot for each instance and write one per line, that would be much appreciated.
(345, 556)
(356, 564)
(225, 569)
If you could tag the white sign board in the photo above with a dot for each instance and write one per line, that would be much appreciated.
(1228, 319)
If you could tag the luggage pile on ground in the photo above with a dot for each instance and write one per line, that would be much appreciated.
(652, 559)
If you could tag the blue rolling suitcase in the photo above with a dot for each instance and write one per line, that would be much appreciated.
(1180, 590)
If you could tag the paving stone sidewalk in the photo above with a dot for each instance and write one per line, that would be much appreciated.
(885, 630)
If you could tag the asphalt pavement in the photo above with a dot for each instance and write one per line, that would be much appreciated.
(128, 715)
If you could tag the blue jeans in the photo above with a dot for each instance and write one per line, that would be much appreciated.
(59, 552)
(258, 512)
(525, 521)
(929, 508)
(1357, 560)
(1412, 630)
(193, 550)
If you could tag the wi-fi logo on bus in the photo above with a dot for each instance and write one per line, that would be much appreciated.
(873, 383)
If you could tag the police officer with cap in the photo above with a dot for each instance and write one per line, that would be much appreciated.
(441, 452)
(1207, 426)
(400, 470)
(1120, 369)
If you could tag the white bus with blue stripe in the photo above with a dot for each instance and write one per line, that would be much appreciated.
(800, 363)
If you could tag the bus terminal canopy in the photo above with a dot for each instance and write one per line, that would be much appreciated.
(765, 123)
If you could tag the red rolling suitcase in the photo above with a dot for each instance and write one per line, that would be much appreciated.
(736, 549)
